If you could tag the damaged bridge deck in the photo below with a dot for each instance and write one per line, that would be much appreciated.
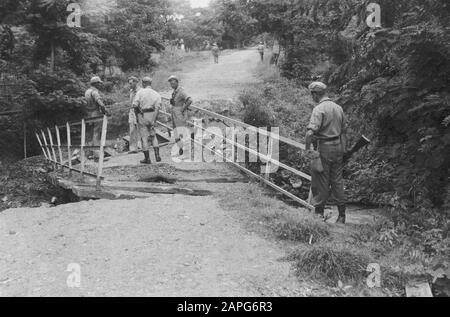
(125, 178)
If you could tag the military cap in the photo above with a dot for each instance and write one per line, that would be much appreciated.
(317, 86)
(173, 77)
(147, 79)
(133, 78)
(95, 80)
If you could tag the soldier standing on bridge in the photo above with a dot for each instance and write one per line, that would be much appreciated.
(147, 103)
(95, 108)
(327, 132)
(135, 136)
(180, 103)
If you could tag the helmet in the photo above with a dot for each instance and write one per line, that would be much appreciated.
(317, 86)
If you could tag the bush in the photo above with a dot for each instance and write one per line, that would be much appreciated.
(331, 263)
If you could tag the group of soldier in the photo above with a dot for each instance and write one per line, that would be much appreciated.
(145, 105)
(215, 50)
(326, 133)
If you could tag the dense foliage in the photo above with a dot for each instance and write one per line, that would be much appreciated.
(392, 81)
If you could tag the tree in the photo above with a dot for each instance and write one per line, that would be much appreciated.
(136, 29)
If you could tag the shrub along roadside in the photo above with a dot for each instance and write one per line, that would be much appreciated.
(412, 243)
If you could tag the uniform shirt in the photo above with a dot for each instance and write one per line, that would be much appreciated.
(328, 120)
(261, 48)
(147, 98)
(132, 115)
(133, 93)
(94, 100)
(179, 97)
(215, 50)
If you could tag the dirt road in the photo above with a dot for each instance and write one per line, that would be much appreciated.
(166, 245)
(221, 81)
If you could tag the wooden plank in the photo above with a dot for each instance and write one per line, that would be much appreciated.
(151, 188)
(245, 125)
(274, 186)
(40, 143)
(102, 152)
(58, 141)
(51, 144)
(273, 161)
(83, 143)
(49, 156)
(69, 148)
(86, 121)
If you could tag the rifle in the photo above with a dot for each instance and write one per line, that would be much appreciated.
(362, 142)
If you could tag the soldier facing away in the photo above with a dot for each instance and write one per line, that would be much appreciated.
(327, 131)
(95, 108)
(147, 103)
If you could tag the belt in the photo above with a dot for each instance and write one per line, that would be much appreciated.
(330, 140)
(148, 110)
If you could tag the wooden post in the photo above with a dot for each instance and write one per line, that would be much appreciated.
(49, 155)
(69, 148)
(83, 143)
(40, 144)
(233, 145)
(102, 152)
(269, 157)
(58, 140)
(52, 145)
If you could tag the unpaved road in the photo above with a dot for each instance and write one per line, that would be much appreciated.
(221, 81)
(167, 245)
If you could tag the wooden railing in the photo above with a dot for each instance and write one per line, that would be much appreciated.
(268, 157)
(53, 148)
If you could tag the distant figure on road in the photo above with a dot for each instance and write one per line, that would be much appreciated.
(147, 103)
(327, 131)
(135, 136)
(180, 103)
(95, 108)
(215, 51)
(261, 49)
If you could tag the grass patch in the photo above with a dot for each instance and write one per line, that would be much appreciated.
(304, 231)
(330, 263)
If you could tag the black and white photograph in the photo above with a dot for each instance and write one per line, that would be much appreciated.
(224, 154)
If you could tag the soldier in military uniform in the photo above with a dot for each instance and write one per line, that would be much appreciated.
(135, 136)
(216, 51)
(180, 103)
(327, 132)
(95, 108)
(147, 103)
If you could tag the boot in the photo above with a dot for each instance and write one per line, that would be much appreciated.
(157, 157)
(147, 158)
(320, 211)
(342, 215)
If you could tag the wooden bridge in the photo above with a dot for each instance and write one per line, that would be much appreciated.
(89, 179)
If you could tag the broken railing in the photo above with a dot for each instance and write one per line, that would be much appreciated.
(267, 157)
(61, 155)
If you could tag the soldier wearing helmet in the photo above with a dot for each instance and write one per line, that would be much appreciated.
(327, 132)
(180, 103)
(95, 108)
(147, 103)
